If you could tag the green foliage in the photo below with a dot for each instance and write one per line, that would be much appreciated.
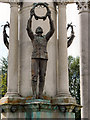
(3, 76)
(74, 80)
(4, 65)
(74, 77)
(3, 84)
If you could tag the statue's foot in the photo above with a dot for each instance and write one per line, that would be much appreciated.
(34, 96)
(40, 97)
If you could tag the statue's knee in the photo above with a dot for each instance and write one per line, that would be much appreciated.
(42, 78)
(34, 78)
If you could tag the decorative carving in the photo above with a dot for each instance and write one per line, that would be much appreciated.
(62, 2)
(62, 109)
(70, 108)
(89, 4)
(76, 109)
(83, 6)
(14, 108)
(39, 107)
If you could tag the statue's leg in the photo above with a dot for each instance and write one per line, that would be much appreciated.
(34, 72)
(42, 74)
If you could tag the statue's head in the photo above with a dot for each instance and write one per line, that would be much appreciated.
(39, 30)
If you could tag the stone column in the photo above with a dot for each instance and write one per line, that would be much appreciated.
(12, 88)
(84, 12)
(62, 82)
(89, 60)
(25, 51)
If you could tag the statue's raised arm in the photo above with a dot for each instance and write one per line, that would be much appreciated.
(50, 33)
(29, 24)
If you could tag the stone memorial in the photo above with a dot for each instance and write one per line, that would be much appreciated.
(34, 91)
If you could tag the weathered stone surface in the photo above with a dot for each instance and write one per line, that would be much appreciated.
(13, 107)
(12, 86)
(84, 53)
(62, 76)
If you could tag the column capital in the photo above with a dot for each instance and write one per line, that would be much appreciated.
(12, 88)
(13, 4)
(83, 6)
(61, 2)
(14, 1)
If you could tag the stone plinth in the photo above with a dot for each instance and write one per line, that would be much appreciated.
(18, 107)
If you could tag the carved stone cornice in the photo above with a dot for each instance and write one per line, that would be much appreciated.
(61, 2)
(19, 104)
(83, 6)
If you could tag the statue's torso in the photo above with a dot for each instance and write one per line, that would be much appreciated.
(39, 47)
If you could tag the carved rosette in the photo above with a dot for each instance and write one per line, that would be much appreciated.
(12, 108)
(83, 6)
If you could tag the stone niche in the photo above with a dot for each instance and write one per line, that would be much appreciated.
(25, 51)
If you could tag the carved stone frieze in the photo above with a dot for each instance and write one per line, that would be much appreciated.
(22, 105)
(70, 108)
(39, 107)
(83, 6)
(14, 108)
(62, 108)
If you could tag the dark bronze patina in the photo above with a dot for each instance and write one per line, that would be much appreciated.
(40, 4)
(39, 54)
(70, 39)
(5, 36)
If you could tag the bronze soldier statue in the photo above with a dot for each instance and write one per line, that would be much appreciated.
(39, 54)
